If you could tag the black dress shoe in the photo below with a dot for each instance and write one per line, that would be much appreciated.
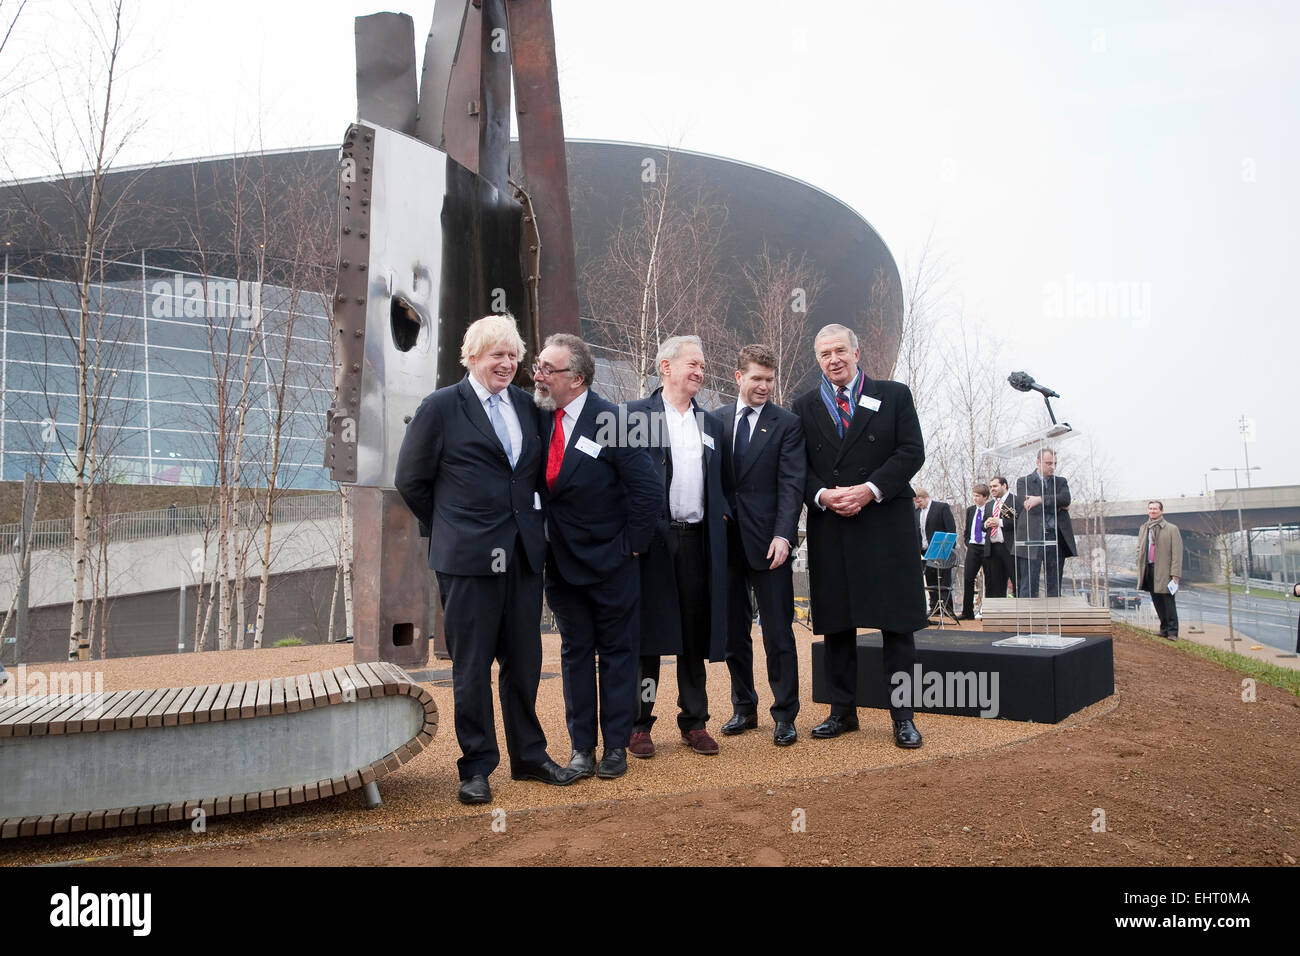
(739, 723)
(475, 790)
(612, 764)
(906, 735)
(584, 762)
(546, 772)
(785, 734)
(834, 725)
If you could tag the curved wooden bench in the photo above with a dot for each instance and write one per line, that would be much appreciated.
(158, 755)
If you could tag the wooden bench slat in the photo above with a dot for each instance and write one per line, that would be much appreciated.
(235, 700)
(172, 715)
(277, 695)
(248, 706)
(140, 717)
(291, 695)
(332, 687)
(155, 717)
(263, 701)
(319, 696)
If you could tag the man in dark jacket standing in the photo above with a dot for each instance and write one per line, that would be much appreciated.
(1044, 533)
(469, 470)
(864, 444)
(602, 502)
(684, 573)
(763, 473)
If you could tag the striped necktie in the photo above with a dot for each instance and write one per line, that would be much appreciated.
(846, 410)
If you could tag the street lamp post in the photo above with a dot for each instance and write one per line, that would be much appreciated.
(1241, 527)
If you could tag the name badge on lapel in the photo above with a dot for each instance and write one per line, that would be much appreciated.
(869, 403)
(587, 446)
(708, 440)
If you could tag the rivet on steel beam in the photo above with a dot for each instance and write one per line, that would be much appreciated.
(365, 169)
(341, 297)
(347, 230)
(361, 300)
(358, 333)
(472, 108)
(356, 367)
(362, 235)
(528, 218)
(362, 267)
(532, 248)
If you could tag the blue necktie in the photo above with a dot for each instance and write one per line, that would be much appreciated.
(742, 440)
(499, 426)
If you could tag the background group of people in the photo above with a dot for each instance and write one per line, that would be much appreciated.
(648, 539)
(1019, 539)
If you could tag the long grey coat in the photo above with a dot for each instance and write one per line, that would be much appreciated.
(1169, 554)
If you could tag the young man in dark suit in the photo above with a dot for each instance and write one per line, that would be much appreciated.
(684, 573)
(763, 471)
(602, 502)
(999, 564)
(864, 444)
(469, 469)
(977, 540)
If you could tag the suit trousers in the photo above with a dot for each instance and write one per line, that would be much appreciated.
(842, 669)
(998, 569)
(1029, 562)
(976, 558)
(691, 571)
(486, 618)
(1166, 610)
(598, 620)
(774, 591)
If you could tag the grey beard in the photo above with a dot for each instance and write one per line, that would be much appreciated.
(545, 402)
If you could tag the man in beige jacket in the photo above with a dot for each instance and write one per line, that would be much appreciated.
(1160, 565)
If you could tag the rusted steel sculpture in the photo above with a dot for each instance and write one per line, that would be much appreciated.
(433, 234)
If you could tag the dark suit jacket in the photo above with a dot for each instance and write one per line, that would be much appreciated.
(863, 569)
(1008, 523)
(1055, 492)
(938, 518)
(603, 508)
(767, 495)
(661, 624)
(964, 535)
(456, 478)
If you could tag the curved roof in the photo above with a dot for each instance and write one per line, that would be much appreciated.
(605, 180)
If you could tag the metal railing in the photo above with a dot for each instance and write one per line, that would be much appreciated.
(139, 525)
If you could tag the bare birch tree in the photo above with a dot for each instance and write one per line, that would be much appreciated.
(784, 294)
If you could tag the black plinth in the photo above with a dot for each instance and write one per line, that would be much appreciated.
(1044, 685)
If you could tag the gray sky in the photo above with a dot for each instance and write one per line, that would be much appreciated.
(1107, 182)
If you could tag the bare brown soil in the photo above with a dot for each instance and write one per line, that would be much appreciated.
(1186, 772)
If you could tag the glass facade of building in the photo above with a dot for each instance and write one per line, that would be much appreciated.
(174, 357)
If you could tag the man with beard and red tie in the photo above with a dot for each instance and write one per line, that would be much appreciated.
(602, 502)
(864, 444)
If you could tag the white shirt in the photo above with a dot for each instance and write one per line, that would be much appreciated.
(686, 491)
(572, 412)
(995, 535)
(507, 413)
(925, 539)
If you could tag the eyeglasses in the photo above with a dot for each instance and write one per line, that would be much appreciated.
(548, 372)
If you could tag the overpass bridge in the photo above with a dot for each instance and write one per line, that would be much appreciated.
(1265, 507)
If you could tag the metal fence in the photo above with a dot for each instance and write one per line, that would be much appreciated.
(138, 525)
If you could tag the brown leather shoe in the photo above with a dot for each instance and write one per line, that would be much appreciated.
(641, 745)
(700, 742)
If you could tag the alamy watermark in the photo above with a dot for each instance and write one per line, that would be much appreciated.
(946, 689)
(1077, 298)
(179, 297)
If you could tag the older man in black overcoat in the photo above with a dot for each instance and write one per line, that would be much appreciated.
(864, 444)
(684, 571)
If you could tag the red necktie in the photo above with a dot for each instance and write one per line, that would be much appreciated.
(555, 457)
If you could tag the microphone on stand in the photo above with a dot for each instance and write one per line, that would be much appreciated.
(1024, 382)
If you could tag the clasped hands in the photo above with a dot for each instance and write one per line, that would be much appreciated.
(847, 500)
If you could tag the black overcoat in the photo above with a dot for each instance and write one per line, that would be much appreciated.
(661, 626)
(863, 569)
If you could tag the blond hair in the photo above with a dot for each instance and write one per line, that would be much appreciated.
(489, 331)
